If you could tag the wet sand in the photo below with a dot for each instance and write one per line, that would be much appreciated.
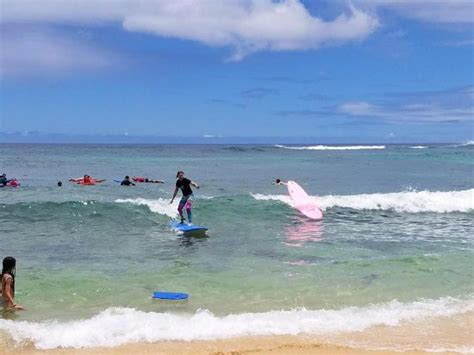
(253, 345)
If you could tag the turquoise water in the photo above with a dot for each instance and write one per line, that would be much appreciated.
(398, 227)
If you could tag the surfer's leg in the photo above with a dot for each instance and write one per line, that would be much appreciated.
(189, 205)
(182, 202)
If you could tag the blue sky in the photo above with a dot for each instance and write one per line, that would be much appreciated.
(337, 71)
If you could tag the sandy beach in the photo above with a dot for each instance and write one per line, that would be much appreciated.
(261, 345)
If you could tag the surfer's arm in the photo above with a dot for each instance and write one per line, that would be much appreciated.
(98, 180)
(174, 194)
(195, 184)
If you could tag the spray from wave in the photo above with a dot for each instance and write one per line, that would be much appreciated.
(332, 147)
(410, 202)
(117, 326)
(160, 206)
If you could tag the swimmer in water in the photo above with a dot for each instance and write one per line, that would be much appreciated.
(3, 180)
(86, 180)
(279, 182)
(127, 182)
(142, 179)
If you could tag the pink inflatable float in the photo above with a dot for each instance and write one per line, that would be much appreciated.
(303, 202)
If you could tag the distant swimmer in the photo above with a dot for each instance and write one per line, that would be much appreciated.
(86, 180)
(8, 182)
(8, 283)
(279, 182)
(60, 183)
(143, 179)
(127, 182)
(184, 184)
(3, 180)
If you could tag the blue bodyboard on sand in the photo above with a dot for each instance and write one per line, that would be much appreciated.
(186, 228)
(170, 295)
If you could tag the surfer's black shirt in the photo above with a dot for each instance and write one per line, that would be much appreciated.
(185, 186)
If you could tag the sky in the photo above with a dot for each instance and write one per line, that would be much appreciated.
(325, 70)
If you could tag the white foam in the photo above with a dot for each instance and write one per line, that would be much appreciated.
(117, 326)
(419, 147)
(332, 147)
(410, 201)
(160, 206)
(468, 143)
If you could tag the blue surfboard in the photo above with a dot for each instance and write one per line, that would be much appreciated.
(170, 295)
(186, 228)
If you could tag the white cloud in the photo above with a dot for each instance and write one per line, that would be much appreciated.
(454, 105)
(36, 53)
(436, 11)
(358, 108)
(245, 25)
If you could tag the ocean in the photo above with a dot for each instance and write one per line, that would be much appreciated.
(395, 246)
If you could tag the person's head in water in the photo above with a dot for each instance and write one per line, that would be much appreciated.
(180, 175)
(9, 264)
(277, 181)
(127, 177)
(60, 183)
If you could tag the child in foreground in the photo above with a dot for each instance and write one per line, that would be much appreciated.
(8, 283)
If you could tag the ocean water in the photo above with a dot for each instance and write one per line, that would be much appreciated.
(395, 246)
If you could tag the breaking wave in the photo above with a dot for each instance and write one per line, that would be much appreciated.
(411, 201)
(332, 147)
(118, 326)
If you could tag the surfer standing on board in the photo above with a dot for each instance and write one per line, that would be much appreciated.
(187, 200)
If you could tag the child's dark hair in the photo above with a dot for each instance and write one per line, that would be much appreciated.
(179, 172)
(8, 264)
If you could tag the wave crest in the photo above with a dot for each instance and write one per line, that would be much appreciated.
(160, 206)
(410, 202)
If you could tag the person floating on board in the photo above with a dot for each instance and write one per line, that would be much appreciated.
(279, 182)
(127, 181)
(8, 283)
(8, 182)
(86, 180)
(142, 179)
(187, 200)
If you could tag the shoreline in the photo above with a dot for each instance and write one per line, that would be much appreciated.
(442, 335)
(245, 345)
